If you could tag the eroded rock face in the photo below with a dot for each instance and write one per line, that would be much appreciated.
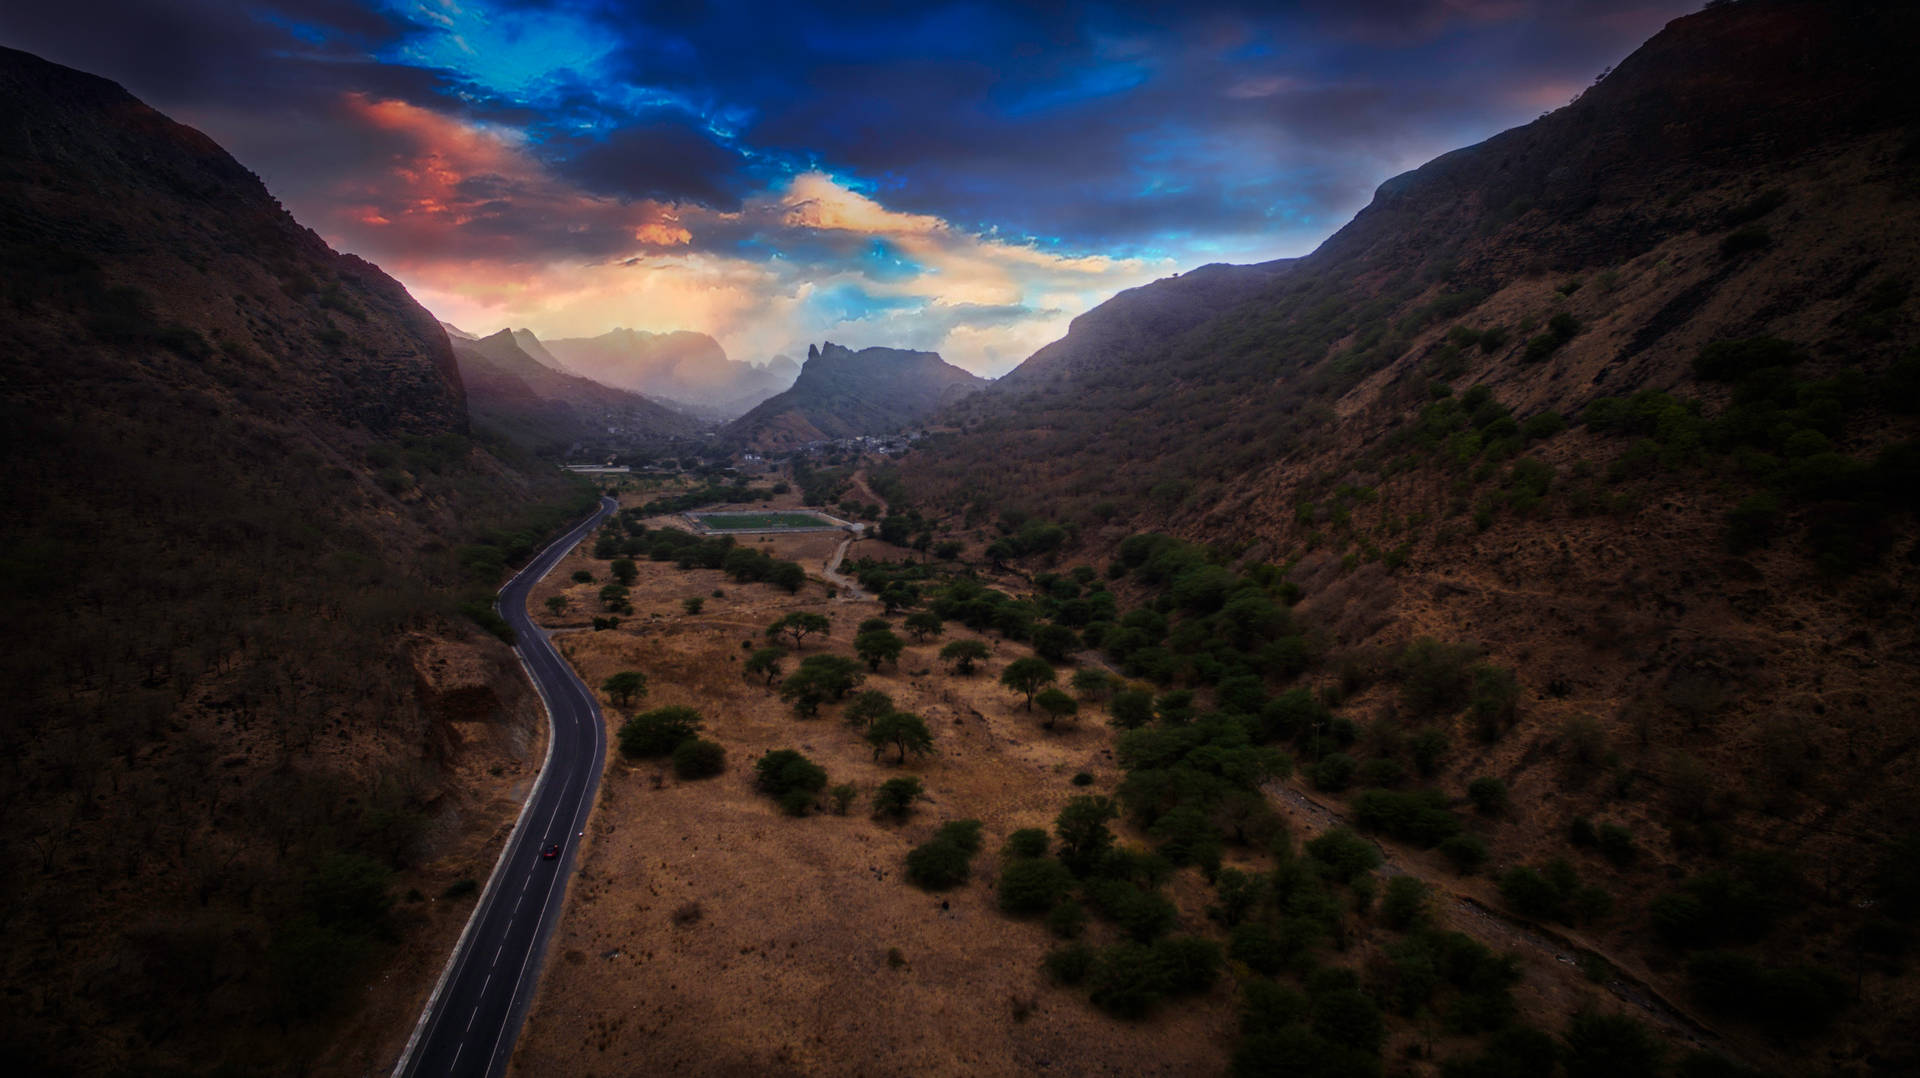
(469, 690)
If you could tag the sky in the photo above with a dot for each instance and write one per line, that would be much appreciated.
(961, 177)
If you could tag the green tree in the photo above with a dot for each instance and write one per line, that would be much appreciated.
(659, 732)
(624, 686)
(558, 604)
(1033, 884)
(1083, 831)
(819, 680)
(877, 646)
(1131, 709)
(923, 624)
(765, 663)
(624, 571)
(1058, 705)
(693, 605)
(963, 654)
(789, 778)
(896, 797)
(1056, 643)
(947, 860)
(1028, 676)
(904, 731)
(698, 758)
(1092, 683)
(615, 597)
(868, 706)
(799, 625)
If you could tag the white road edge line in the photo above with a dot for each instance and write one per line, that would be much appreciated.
(428, 1013)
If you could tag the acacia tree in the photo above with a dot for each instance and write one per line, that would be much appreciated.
(963, 654)
(765, 663)
(868, 706)
(624, 686)
(877, 646)
(1092, 683)
(799, 625)
(624, 571)
(924, 623)
(1027, 676)
(904, 731)
(1058, 705)
(1083, 831)
(557, 604)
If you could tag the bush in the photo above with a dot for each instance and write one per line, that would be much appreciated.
(1467, 852)
(1127, 980)
(784, 771)
(946, 860)
(1333, 773)
(659, 732)
(1405, 904)
(1798, 999)
(697, 758)
(1026, 842)
(1420, 817)
(1069, 965)
(1609, 1045)
(1344, 854)
(896, 797)
(1033, 885)
(1488, 794)
(1068, 919)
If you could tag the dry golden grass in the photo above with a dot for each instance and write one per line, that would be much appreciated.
(709, 934)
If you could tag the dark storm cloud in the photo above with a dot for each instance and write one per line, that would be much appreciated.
(1111, 127)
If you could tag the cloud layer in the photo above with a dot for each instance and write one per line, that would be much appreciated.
(964, 177)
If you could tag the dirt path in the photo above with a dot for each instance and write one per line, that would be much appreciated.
(849, 588)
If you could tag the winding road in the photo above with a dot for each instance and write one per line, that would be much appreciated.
(474, 1014)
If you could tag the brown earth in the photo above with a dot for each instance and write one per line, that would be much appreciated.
(707, 933)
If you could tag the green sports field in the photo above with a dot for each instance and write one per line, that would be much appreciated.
(756, 522)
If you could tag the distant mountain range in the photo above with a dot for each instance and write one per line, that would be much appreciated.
(686, 370)
(512, 390)
(842, 393)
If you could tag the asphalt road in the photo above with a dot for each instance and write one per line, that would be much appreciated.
(474, 1015)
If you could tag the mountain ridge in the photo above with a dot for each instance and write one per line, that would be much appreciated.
(841, 393)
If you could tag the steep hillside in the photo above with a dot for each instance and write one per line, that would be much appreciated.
(842, 393)
(243, 510)
(1622, 402)
(552, 413)
(688, 370)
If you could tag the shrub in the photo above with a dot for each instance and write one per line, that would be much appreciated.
(1798, 999)
(1745, 241)
(1069, 965)
(896, 797)
(1126, 980)
(659, 732)
(1333, 773)
(1609, 1045)
(1405, 904)
(1417, 816)
(697, 758)
(1616, 844)
(1068, 919)
(1026, 842)
(782, 773)
(1488, 794)
(1033, 885)
(1344, 854)
(1467, 852)
(946, 860)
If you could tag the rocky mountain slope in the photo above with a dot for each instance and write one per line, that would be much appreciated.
(842, 393)
(551, 412)
(1621, 401)
(243, 510)
(689, 371)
